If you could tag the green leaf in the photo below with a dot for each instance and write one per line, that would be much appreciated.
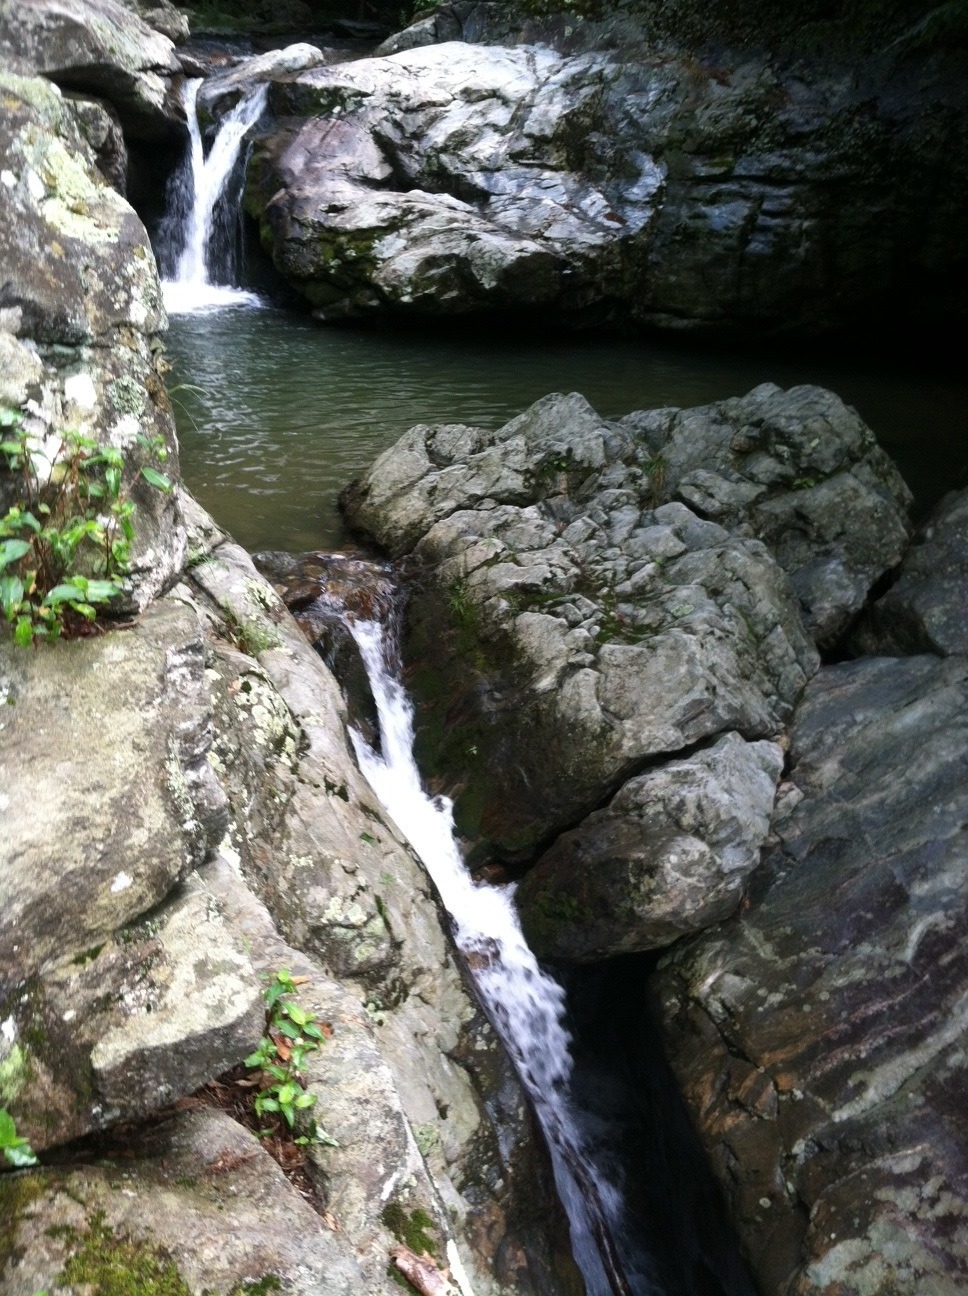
(368, 838)
(155, 478)
(296, 1013)
(12, 551)
(287, 1094)
(112, 480)
(305, 1100)
(101, 591)
(313, 1031)
(64, 594)
(289, 1115)
(11, 595)
(24, 632)
(8, 1128)
(289, 1030)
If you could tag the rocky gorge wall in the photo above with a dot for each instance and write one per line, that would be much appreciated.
(182, 818)
(612, 627)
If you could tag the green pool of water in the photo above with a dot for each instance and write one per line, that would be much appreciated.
(277, 414)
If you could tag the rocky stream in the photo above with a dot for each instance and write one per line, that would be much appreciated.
(569, 839)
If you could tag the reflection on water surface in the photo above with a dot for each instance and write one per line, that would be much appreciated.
(276, 414)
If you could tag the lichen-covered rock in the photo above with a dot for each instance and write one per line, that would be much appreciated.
(81, 314)
(803, 472)
(820, 1037)
(196, 1206)
(668, 856)
(100, 47)
(589, 617)
(106, 1014)
(680, 187)
(415, 1104)
(926, 609)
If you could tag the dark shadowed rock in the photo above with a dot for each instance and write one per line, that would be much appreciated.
(820, 1038)
(926, 609)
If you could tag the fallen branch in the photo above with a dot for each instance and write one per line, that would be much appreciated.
(422, 1273)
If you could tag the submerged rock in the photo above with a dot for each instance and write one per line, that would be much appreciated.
(820, 1037)
(691, 189)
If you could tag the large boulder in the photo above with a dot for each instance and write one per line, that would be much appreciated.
(99, 47)
(926, 609)
(591, 618)
(820, 1037)
(705, 189)
(109, 1013)
(80, 313)
(670, 854)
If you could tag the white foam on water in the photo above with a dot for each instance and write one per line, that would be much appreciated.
(192, 288)
(525, 1004)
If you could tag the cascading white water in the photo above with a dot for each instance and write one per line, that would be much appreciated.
(196, 285)
(525, 1005)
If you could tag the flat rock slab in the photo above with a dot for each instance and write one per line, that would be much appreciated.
(820, 1038)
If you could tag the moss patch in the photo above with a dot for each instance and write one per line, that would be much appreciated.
(116, 1266)
(412, 1229)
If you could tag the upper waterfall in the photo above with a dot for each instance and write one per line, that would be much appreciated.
(205, 266)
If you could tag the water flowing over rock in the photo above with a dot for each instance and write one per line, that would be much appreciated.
(926, 609)
(590, 618)
(820, 1036)
(101, 48)
(709, 189)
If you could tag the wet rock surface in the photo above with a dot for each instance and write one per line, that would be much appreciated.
(820, 1036)
(714, 189)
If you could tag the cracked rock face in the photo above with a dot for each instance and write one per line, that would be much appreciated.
(588, 618)
(668, 856)
(702, 191)
(820, 1037)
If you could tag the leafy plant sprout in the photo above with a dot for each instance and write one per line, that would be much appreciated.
(65, 546)
(16, 1150)
(291, 1035)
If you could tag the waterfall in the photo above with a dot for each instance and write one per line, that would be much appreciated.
(525, 1004)
(204, 268)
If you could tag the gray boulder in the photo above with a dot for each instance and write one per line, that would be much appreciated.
(224, 88)
(804, 473)
(81, 311)
(109, 1014)
(588, 617)
(820, 1037)
(668, 856)
(926, 609)
(687, 189)
(102, 48)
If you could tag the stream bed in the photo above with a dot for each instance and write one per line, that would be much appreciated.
(276, 413)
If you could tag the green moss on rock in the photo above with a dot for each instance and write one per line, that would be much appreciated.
(413, 1229)
(110, 1265)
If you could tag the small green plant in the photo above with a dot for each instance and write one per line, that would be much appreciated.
(16, 1151)
(291, 1035)
(66, 544)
